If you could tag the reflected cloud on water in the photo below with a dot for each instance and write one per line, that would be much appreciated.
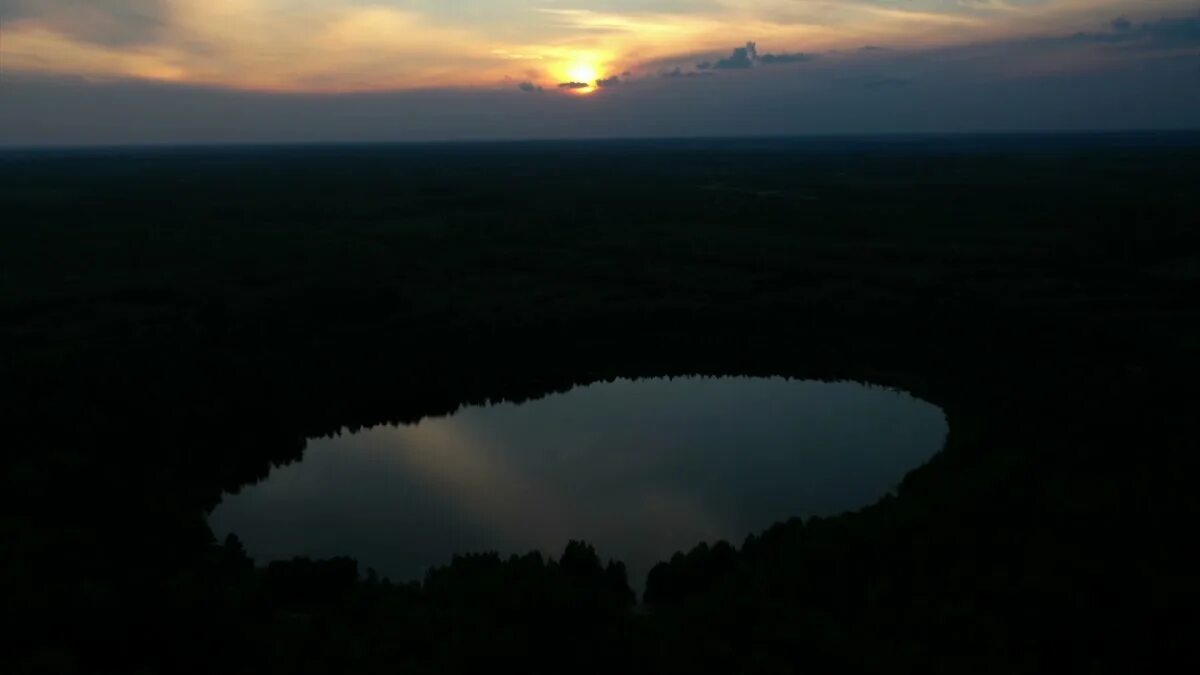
(640, 468)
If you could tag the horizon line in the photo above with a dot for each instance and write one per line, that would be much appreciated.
(827, 136)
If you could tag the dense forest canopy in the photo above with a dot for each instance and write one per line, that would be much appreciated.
(173, 323)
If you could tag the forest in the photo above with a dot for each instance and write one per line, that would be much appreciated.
(174, 322)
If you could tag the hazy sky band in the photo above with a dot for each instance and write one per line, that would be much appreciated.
(231, 71)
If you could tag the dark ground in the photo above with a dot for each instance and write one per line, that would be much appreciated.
(174, 322)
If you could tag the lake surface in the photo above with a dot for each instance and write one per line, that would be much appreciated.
(638, 468)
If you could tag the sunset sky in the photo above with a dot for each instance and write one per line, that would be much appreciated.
(109, 70)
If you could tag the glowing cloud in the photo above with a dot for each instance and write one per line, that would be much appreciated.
(351, 45)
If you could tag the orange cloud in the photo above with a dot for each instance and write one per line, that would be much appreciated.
(339, 45)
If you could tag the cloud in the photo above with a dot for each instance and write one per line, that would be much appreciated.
(961, 89)
(247, 44)
(378, 45)
(1183, 32)
(746, 57)
(1165, 33)
(608, 81)
(773, 59)
(741, 58)
(677, 72)
(529, 87)
(574, 85)
(105, 22)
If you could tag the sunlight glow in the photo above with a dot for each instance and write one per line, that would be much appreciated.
(353, 46)
(582, 69)
(583, 72)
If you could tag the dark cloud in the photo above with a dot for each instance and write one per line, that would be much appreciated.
(747, 57)
(107, 22)
(1184, 32)
(1165, 33)
(679, 72)
(608, 81)
(529, 87)
(773, 59)
(741, 58)
(574, 85)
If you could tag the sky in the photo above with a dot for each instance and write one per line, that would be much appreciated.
(195, 71)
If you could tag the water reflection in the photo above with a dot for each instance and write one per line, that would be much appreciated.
(639, 468)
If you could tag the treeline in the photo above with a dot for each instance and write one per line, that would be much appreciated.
(320, 616)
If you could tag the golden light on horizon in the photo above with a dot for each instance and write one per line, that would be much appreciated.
(585, 73)
(341, 46)
(582, 70)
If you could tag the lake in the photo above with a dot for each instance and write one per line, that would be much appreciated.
(639, 468)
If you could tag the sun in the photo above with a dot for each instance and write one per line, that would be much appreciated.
(585, 73)
(579, 72)
(582, 72)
